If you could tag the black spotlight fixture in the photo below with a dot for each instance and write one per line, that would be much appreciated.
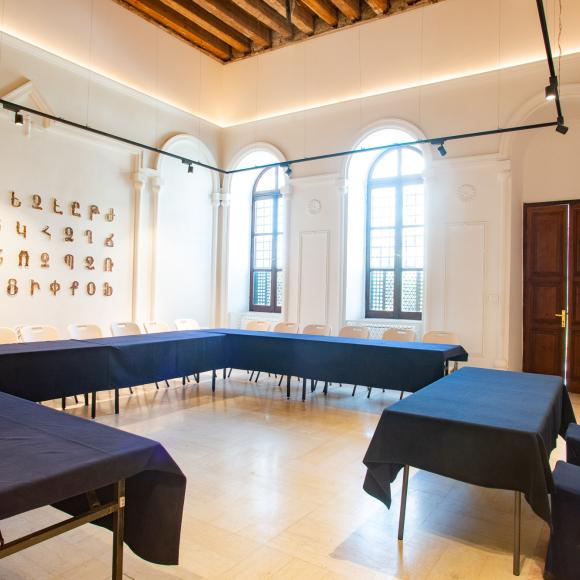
(18, 118)
(441, 147)
(288, 170)
(190, 168)
(560, 127)
(552, 89)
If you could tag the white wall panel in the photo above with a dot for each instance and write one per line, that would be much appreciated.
(313, 278)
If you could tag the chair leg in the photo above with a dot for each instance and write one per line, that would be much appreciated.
(353, 391)
(63, 403)
(196, 377)
(167, 384)
(325, 390)
(230, 373)
(280, 381)
(86, 395)
(369, 393)
(131, 389)
(252, 376)
(401, 395)
(257, 376)
(312, 386)
(76, 399)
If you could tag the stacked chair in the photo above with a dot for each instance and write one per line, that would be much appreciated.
(563, 560)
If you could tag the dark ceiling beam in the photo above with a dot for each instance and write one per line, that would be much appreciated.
(160, 14)
(324, 9)
(350, 8)
(210, 23)
(267, 15)
(239, 20)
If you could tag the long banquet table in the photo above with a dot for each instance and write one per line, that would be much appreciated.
(95, 473)
(485, 427)
(402, 366)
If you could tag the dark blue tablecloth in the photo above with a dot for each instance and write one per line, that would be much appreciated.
(51, 458)
(146, 358)
(407, 366)
(486, 427)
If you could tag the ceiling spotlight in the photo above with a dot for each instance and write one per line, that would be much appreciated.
(288, 170)
(18, 118)
(190, 168)
(552, 89)
(441, 148)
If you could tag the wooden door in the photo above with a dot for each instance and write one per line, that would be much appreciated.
(573, 358)
(545, 287)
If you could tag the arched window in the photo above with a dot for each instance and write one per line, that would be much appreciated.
(267, 250)
(395, 235)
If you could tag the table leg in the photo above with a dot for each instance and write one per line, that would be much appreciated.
(213, 374)
(116, 401)
(403, 501)
(93, 404)
(303, 389)
(287, 386)
(118, 531)
(517, 530)
(224, 374)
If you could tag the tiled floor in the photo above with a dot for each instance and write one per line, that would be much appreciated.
(275, 491)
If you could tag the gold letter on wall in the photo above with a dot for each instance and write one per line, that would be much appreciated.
(44, 260)
(56, 207)
(69, 260)
(74, 287)
(54, 287)
(46, 232)
(34, 286)
(107, 289)
(21, 229)
(23, 258)
(12, 287)
(36, 201)
(93, 211)
(108, 267)
(68, 235)
(74, 208)
(110, 215)
(89, 235)
(109, 241)
(91, 288)
(14, 201)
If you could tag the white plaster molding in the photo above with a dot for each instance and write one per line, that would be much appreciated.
(316, 181)
(27, 90)
(454, 164)
(220, 199)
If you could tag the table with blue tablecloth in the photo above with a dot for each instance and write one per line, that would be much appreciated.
(52, 458)
(402, 366)
(485, 427)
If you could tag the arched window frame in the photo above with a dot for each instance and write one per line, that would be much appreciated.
(275, 269)
(398, 182)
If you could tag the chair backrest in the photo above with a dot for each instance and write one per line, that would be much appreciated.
(260, 325)
(156, 326)
(38, 333)
(353, 331)
(84, 331)
(125, 329)
(288, 327)
(7, 335)
(318, 329)
(187, 324)
(400, 334)
(441, 337)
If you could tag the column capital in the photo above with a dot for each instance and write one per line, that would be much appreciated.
(220, 198)
(157, 184)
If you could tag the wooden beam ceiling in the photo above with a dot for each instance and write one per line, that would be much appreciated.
(233, 29)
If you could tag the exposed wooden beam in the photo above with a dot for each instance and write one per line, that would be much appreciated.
(212, 24)
(301, 17)
(378, 6)
(350, 8)
(266, 14)
(239, 20)
(159, 13)
(324, 9)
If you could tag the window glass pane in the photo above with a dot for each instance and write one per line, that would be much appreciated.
(382, 290)
(280, 289)
(261, 289)
(412, 162)
(382, 249)
(387, 165)
(413, 205)
(413, 247)
(383, 207)
(263, 215)
(268, 181)
(412, 292)
(263, 252)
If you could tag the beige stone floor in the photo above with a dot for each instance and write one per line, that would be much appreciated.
(275, 491)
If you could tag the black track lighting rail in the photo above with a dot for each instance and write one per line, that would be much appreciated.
(438, 142)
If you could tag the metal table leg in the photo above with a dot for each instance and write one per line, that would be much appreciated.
(403, 502)
(303, 389)
(288, 386)
(517, 530)
(213, 376)
(118, 531)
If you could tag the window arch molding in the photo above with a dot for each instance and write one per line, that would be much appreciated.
(238, 226)
(354, 210)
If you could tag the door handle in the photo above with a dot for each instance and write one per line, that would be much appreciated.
(562, 317)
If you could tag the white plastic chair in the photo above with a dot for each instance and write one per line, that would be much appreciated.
(287, 327)
(155, 326)
(400, 335)
(257, 325)
(187, 324)
(317, 329)
(125, 329)
(44, 333)
(442, 337)
(7, 335)
(84, 331)
(353, 331)
(38, 333)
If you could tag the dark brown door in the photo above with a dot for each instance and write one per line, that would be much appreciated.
(545, 287)
(573, 374)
